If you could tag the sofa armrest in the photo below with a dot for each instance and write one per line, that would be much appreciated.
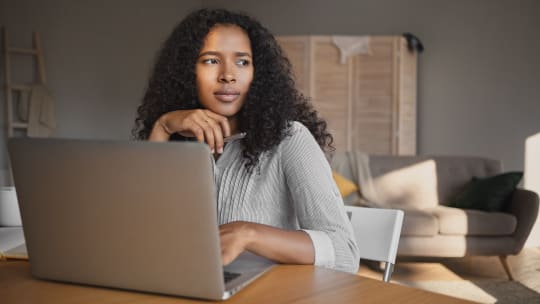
(524, 206)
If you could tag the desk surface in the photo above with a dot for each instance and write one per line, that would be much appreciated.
(282, 284)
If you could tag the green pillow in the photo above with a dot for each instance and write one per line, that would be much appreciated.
(489, 193)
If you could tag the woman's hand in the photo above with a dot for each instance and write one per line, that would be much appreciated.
(202, 124)
(235, 238)
(280, 245)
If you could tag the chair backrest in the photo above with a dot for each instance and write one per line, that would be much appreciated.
(377, 233)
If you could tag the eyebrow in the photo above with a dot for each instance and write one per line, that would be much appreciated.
(238, 54)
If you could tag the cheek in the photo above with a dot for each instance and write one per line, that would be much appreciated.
(203, 84)
(202, 90)
(247, 78)
(204, 76)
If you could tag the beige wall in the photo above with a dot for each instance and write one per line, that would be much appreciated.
(478, 79)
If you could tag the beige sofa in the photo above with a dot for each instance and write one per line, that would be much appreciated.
(422, 186)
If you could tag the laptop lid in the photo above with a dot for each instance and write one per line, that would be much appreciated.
(125, 214)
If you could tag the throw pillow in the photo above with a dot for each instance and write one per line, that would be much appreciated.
(407, 186)
(489, 193)
(345, 185)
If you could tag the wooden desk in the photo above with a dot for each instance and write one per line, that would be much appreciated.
(283, 284)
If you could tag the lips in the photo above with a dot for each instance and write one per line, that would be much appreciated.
(227, 95)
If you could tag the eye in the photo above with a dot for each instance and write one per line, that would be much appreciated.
(243, 62)
(210, 61)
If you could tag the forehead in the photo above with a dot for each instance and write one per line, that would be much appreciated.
(227, 37)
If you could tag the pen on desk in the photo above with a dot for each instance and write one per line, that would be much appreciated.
(234, 136)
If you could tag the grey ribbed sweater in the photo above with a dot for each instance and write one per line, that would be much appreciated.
(292, 189)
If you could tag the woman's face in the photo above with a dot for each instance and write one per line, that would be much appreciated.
(224, 70)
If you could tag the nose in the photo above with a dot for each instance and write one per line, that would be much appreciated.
(227, 75)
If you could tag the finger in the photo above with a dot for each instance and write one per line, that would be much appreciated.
(218, 135)
(229, 253)
(222, 121)
(192, 128)
(226, 242)
(225, 257)
(209, 136)
(199, 133)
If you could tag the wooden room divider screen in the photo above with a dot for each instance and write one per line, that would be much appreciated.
(369, 100)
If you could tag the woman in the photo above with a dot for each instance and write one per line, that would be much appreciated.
(221, 73)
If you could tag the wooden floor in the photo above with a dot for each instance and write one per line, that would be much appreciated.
(525, 268)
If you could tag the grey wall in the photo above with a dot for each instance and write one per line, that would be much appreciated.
(478, 79)
(98, 55)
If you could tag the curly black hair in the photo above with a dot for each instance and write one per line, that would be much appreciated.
(272, 102)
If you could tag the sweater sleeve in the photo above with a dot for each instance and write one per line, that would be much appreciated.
(317, 201)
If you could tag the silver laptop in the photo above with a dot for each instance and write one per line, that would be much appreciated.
(125, 214)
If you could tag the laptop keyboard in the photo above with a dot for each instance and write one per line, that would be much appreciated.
(230, 276)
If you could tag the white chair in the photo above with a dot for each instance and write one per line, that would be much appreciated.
(377, 233)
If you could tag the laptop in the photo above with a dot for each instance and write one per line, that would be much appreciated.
(125, 214)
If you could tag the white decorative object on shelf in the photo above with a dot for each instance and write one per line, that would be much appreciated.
(9, 207)
(351, 45)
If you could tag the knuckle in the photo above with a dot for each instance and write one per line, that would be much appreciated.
(197, 131)
(208, 129)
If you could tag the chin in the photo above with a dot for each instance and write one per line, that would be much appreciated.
(226, 110)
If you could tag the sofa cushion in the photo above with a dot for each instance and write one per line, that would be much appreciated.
(419, 223)
(411, 186)
(454, 172)
(345, 185)
(341, 163)
(454, 221)
(489, 194)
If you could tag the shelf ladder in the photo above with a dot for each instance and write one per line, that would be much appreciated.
(36, 52)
